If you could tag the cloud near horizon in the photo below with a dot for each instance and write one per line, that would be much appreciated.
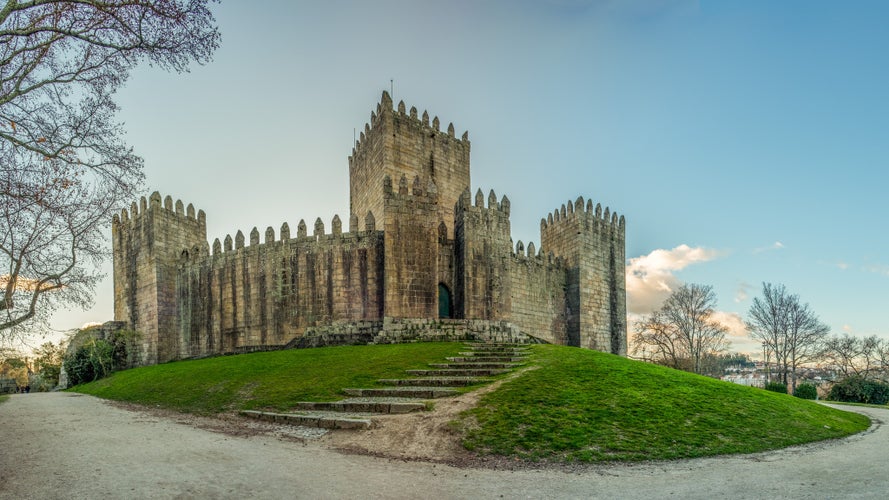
(650, 278)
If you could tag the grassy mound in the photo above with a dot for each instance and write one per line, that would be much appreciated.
(582, 405)
(577, 405)
(267, 380)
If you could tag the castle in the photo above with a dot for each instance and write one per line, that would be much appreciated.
(422, 258)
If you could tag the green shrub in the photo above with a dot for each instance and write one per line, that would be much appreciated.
(858, 389)
(91, 361)
(97, 358)
(806, 391)
(776, 387)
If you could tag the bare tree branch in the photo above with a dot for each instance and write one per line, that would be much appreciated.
(64, 166)
(682, 332)
(787, 328)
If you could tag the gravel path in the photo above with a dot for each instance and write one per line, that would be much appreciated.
(61, 445)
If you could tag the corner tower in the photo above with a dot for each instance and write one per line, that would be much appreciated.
(397, 143)
(592, 243)
(147, 244)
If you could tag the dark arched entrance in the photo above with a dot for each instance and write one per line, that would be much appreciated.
(445, 304)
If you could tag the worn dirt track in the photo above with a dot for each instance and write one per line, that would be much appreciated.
(62, 445)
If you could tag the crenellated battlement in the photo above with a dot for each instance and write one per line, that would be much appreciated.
(573, 212)
(531, 254)
(154, 203)
(425, 190)
(465, 203)
(239, 242)
(384, 108)
(397, 142)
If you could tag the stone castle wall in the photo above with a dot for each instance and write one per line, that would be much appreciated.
(592, 243)
(411, 248)
(483, 258)
(398, 143)
(147, 243)
(422, 259)
(271, 292)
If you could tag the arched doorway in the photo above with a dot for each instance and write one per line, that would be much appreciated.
(445, 304)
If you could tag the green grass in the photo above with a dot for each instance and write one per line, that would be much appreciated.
(4, 398)
(268, 380)
(576, 405)
(588, 406)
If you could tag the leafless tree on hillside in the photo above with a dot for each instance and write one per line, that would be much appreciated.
(682, 332)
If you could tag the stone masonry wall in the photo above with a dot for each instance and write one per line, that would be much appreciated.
(147, 243)
(483, 258)
(592, 243)
(411, 249)
(538, 295)
(397, 144)
(270, 293)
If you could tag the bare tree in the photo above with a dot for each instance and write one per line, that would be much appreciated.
(806, 335)
(866, 357)
(788, 329)
(682, 332)
(657, 342)
(63, 161)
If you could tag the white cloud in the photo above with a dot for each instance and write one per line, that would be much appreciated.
(735, 324)
(847, 328)
(842, 265)
(878, 269)
(650, 278)
(774, 246)
(743, 291)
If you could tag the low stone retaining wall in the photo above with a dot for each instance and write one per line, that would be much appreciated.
(396, 330)
(400, 330)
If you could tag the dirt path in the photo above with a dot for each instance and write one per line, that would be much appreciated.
(62, 445)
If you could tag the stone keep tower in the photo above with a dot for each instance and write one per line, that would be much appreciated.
(397, 144)
(147, 244)
(409, 174)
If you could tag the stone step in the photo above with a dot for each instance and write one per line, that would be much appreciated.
(493, 353)
(487, 359)
(360, 406)
(434, 381)
(498, 349)
(321, 420)
(402, 392)
(475, 365)
(494, 344)
(465, 372)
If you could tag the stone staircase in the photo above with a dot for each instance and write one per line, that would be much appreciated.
(406, 395)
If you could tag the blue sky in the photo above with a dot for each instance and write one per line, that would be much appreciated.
(744, 141)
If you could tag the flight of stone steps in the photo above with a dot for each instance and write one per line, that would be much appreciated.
(406, 395)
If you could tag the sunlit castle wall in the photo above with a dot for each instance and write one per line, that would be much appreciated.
(246, 296)
(421, 259)
(593, 244)
(398, 143)
(147, 243)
